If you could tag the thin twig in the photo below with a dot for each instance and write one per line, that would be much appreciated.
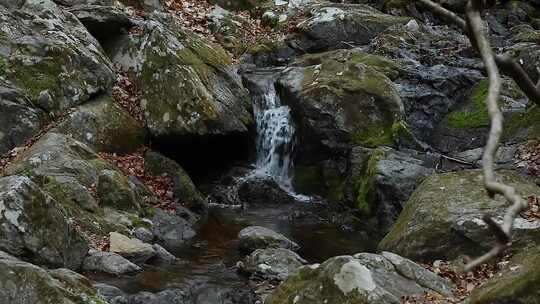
(477, 29)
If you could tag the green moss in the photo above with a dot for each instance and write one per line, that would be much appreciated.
(528, 124)
(366, 183)
(319, 180)
(382, 64)
(478, 117)
(38, 77)
(137, 222)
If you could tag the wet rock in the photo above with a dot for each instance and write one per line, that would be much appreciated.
(338, 100)
(443, 218)
(183, 188)
(210, 99)
(334, 26)
(515, 284)
(24, 283)
(261, 190)
(108, 262)
(55, 62)
(381, 181)
(109, 292)
(143, 234)
(132, 249)
(256, 237)
(162, 255)
(272, 263)
(364, 278)
(171, 230)
(104, 127)
(168, 296)
(34, 225)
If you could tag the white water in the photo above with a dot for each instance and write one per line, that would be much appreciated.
(275, 137)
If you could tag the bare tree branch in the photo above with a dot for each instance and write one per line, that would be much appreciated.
(507, 65)
(474, 27)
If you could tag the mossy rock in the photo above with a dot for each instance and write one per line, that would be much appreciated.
(518, 283)
(59, 64)
(23, 283)
(105, 127)
(208, 100)
(319, 180)
(443, 217)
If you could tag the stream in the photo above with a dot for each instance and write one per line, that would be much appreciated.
(207, 267)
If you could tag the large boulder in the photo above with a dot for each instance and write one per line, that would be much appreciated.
(209, 100)
(443, 218)
(362, 279)
(24, 283)
(335, 26)
(339, 99)
(256, 237)
(517, 283)
(51, 57)
(34, 225)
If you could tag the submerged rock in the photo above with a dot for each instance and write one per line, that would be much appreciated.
(364, 278)
(171, 230)
(443, 218)
(34, 225)
(108, 262)
(256, 237)
(24, 283)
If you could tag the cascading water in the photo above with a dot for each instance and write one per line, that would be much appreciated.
(275, 137)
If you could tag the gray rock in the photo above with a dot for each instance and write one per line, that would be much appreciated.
(364, 278)
(108, 262)
(443, 218)
(162, 255)
(103, 22)
(334, 26)
(132, 249)
(24, 283)
(143, 234)
(108, 292)
(171, 230)
(272, 263)
(116, 190)
(256, 237)
(34, 225)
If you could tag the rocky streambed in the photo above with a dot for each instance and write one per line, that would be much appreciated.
(258, 152)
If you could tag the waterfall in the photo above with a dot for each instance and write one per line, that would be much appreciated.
(275, 137)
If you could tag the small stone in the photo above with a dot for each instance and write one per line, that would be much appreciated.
(162, 255)
(130, 248)
(256, 237)
(143, 234)
(108, 262)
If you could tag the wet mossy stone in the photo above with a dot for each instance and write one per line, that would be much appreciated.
(116, 190)
(24, 283)
(188, 87)
(51, 57)
(443, 217)
(34, 225)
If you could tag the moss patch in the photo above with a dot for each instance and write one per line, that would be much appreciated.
(478, 117)
(366, 184)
